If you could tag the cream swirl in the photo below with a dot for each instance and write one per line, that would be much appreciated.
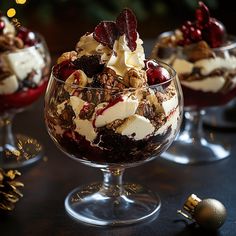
(120, 59)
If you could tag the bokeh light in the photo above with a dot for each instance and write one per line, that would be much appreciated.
(20, 1)
(11, 12)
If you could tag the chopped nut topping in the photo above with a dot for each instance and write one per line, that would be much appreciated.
(198, 51)
(10, 42)
(67, 56)
(135, 79)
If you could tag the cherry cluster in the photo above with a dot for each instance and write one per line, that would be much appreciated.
(28, 37)
(203, 28)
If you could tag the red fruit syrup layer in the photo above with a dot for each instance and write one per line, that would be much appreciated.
(196, 98)
(22, 98)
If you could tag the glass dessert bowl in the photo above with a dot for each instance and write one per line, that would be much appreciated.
(112, 119)
(24, 68)
(204, 57)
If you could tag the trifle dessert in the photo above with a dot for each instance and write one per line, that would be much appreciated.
(204, 57)
(108, 107)
(24, 68)
(106, 103)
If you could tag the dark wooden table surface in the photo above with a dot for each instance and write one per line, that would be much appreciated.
(41, 210)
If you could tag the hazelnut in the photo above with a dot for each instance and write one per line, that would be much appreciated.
(75, 80)
(67, 56)
(19, 42)
(135, 78)
(198, 51)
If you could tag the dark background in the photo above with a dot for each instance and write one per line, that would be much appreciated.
(63, 22)
(41, 210)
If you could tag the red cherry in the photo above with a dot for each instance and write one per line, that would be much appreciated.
(157, 75)
(2, 25)
(191, 33)
(64, 70)
(28, 37)
(214, 33)
(151, 64)
(185, 30)
(195, 34)
(202, 15)
(188, 24)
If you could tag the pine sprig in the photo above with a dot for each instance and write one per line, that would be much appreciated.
(9, 192)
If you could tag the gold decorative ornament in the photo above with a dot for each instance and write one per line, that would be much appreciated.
(207, 213)
(9, 193)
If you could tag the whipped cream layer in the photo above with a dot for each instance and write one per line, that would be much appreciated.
(137, 127)
(208, 81)
(171, 123)
(119, 111)
(124, 111)
(122, 58)
(9, 85)
(24, 62)
(21, 64)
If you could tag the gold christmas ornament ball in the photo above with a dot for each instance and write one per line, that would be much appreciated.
(210, 214)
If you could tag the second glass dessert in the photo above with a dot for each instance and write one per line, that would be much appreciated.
(204, 57)
(107, 107)
(24, 68)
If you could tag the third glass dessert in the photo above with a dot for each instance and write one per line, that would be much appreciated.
(204, 57)
(24, 67)
(108, 107)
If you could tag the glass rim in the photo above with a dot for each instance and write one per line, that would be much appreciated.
(229, 46)
(171, 70)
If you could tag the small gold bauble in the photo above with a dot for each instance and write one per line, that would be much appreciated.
(208, 213)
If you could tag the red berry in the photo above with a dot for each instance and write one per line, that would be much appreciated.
(188, 24)
(202, 15)
(28, 37)
(195, 34)
(2, 25)
(157, 75)
(151, 64)
(185, 30)
(214, 33)
(22, 98)
(63, 70)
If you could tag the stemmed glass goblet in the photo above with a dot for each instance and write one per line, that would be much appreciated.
(113, 129)
(192, 145)
(30, 66)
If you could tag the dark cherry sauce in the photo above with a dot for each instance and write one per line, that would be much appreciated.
(115, 148)
(196, 98)
(22, 98)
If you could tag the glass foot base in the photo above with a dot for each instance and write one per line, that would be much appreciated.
(89, 204)
(196, 152)
(25, 151)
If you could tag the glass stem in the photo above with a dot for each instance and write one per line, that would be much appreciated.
(193, 124)
(112, 182)
(6, 136)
